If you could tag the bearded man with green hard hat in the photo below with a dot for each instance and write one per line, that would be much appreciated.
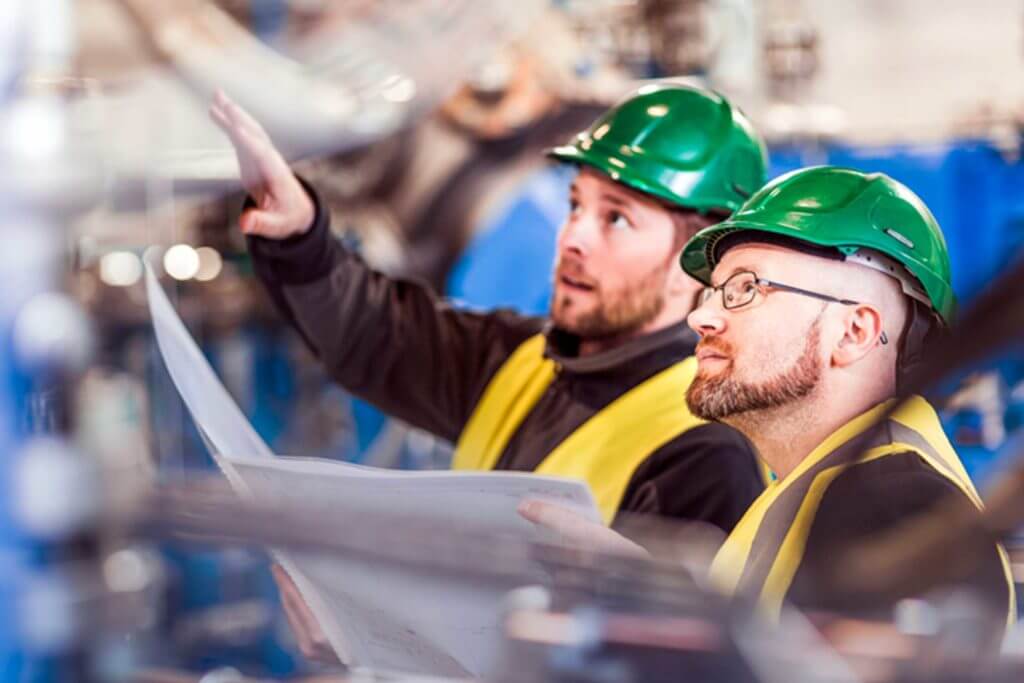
(822, 291)
(595, 391)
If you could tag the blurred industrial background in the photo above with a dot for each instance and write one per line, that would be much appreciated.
(424, 124)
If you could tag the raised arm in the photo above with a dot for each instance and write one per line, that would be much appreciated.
(392, 342)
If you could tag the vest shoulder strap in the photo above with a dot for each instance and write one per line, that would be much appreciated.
(506, 401)
(914, 427)
(607, 449)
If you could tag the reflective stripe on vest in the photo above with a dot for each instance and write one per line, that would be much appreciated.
(606, 450)
(762, 554)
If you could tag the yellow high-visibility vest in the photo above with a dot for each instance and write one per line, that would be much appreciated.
(762, 554)
(604, 451)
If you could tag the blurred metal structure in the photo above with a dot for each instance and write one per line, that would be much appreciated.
(791, 57)
(368, 70)
(579, 615)
(648, 38)
(70, 583)
(51, 496)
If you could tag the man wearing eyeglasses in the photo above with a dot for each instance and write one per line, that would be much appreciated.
(823, 290)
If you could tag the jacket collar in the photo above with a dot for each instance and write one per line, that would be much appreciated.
(563, 348)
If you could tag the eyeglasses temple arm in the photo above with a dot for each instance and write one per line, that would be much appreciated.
(797, 290)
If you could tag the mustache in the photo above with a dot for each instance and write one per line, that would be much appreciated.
(716, 344)
(576, 272)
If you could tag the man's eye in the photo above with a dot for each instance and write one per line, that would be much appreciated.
(618, 221)
(573, 206)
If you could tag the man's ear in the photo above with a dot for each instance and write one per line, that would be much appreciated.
(862, 332)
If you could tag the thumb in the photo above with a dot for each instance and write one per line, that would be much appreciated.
(552, 516)
(530, 510)
(265, 224)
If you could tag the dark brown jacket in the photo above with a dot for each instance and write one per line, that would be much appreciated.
(397, 345)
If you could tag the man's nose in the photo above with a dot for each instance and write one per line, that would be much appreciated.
(577, 236)
(707, 318)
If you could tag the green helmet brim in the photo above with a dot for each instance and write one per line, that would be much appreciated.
(635, 172)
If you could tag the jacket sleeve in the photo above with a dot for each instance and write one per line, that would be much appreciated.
(707, 474)
(391, 342)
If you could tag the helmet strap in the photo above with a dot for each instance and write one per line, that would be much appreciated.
(921, 330)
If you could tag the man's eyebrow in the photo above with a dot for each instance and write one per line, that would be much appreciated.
(614, 199)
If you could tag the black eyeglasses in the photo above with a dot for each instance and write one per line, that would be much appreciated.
(741, 288)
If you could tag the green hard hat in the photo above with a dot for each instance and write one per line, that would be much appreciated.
(684, 145)
(858, 214)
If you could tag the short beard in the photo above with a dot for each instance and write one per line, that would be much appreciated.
(720, 397)
(619, 314)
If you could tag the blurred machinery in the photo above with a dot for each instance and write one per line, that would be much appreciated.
(104, 148)
(71, 582)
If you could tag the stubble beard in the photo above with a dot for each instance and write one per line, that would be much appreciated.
(617, 314)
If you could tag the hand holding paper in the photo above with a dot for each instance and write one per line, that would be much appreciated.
(309, 635)
(370, 611)
(575, 529)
